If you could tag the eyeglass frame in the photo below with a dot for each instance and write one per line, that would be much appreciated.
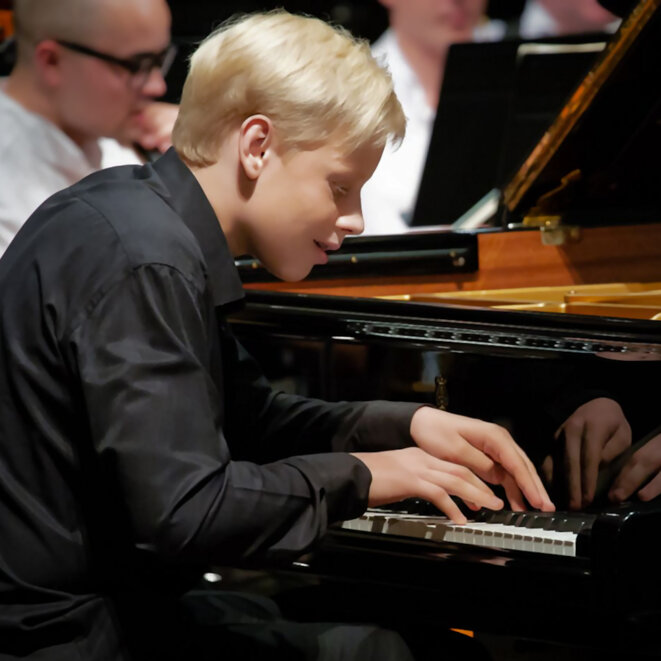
(140, 64)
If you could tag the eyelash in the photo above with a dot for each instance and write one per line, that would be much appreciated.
(339, 191)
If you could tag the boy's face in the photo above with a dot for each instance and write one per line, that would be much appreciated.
(303, 204)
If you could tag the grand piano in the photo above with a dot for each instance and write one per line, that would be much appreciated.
(520, 322)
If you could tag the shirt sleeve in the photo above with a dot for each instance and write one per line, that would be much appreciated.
(156, 422)
(269, 424)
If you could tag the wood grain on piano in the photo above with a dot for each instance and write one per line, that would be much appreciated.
(518, 258)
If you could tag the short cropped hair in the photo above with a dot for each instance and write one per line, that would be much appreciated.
(312, 79)
(35, 20)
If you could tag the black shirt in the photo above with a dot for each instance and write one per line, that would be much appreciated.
(138, 440)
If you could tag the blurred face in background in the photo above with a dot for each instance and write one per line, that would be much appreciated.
(435, 24)
(95, 97)
(575, 16)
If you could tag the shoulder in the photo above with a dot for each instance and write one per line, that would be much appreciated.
(101, 230)
(18, 125)
(131, 205)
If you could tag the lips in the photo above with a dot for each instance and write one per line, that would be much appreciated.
(324, 249)
(327, 247)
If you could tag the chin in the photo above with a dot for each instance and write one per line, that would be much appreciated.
(290, 274)
(294, 277)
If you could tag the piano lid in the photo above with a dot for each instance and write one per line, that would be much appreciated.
(597, 162)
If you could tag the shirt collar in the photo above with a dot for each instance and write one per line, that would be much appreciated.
(188, 199)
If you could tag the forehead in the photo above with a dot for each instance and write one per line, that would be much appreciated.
(127, 27)
(333, 159)
(360, 162)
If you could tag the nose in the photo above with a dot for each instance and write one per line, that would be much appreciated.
(351, 223)
(155, 85)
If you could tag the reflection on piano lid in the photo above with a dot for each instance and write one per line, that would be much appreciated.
(594, 165)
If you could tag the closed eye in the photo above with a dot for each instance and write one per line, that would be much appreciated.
(339, 190)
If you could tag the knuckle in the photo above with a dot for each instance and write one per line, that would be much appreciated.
(463, 472)
(451, 483)
(574, 425)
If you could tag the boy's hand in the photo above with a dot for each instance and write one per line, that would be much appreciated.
(487, 449)
(412, 473)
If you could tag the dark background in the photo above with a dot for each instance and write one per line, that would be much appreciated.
(193, 20)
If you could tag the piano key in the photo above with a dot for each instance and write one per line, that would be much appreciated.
(516, 536)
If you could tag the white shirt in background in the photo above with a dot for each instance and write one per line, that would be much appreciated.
(38, 159)
(388, 198)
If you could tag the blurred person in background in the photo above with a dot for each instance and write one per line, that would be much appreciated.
(80, 96)
(550, 18)
(414, 48)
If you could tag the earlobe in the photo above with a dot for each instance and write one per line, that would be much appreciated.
(255, 140)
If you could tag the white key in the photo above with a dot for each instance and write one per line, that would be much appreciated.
(476, 533)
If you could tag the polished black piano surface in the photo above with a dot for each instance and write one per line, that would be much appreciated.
(524, 370)
(526, 367)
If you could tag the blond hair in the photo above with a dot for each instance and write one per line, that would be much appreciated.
(313, 81)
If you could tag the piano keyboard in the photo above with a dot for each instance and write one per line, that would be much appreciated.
(553, 533)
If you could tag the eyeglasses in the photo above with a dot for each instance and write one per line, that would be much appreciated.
(139, 65)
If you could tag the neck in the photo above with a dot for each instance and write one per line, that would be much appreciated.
(215, 181)
(428, 65)
(23, 89)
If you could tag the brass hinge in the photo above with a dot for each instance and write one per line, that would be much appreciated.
(547, 213)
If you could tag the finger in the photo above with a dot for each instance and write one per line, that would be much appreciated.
(547, 469)
(164, 145)
(466, 454)
(617, 443)
(652, 489)
(147, 141)
(513, 494)
(630, 478)
(504, 451)
(543, 495)
(441, 499)
(590, 459)
(459, 470)
(457, 486)
(573, 467)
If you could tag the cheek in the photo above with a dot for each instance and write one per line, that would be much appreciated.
(107, 99)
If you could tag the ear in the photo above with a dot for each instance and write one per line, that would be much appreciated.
(256, 138)
(47, 56)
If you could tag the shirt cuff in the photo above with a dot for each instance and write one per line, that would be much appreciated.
(380, 425)
(341, 482)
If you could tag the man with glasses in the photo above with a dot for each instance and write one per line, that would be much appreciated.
(80, 97)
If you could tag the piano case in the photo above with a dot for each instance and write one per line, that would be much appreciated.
(518, 324)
